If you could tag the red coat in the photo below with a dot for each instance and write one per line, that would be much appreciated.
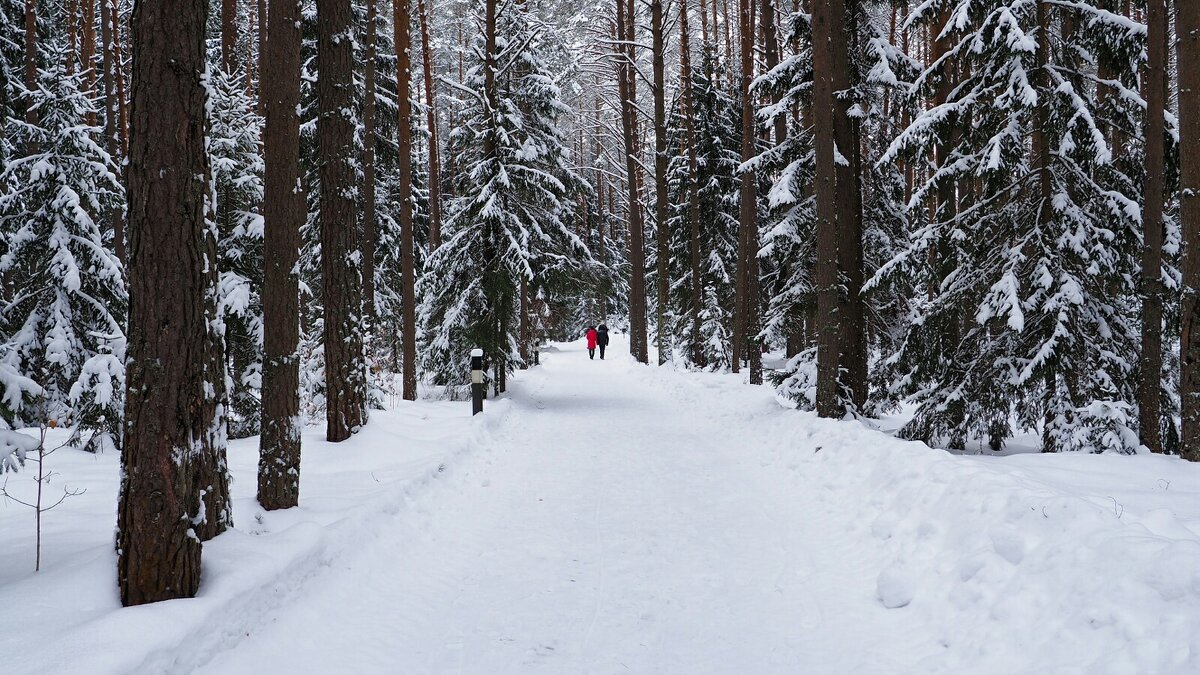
(591, 338)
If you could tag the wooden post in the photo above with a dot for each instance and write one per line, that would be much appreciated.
(477, 390)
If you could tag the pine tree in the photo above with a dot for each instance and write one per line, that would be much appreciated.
(65, 325)
(171, 442)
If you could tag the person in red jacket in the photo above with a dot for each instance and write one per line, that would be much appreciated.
(591, 342)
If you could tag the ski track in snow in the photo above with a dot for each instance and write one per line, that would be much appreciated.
(608, 528)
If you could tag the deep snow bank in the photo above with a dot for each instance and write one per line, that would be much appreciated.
(67, 618)
(1034, 563)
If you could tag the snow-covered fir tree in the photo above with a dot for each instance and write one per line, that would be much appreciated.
(235, 148)
(507, 219)
(64, 323)
(1027, 252)
(716, 113)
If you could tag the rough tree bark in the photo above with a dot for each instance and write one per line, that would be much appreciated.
(283, 215)
(685, 96)
(1187, 27)
(401, 26)
(341, 284)
(1150, 363)
(626, 85)
(659, 57)
(167, 412)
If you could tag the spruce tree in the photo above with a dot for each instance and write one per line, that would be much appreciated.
(65, 325)
(1029, 276)
(235, 147)
(507, 219)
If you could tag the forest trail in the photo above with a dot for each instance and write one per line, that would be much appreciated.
(615, 526)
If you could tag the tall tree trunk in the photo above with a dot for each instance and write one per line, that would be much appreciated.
(771, 55)
(1041, 163)
(659, 56)
(746, 334)
(1150, 366)
(167, 409)
(108, 80)
(87, 53)
(283, 216)
(1187, 27)
(697, 284)
(31, 65)
(71, 10)
(826, 15)
(849, 209)
(228, 35)
(262, 54)
(626, 84)
(369, 220)
(401, 25)
(115, 98)
(435, 165)
(345, 388)
(122, 99)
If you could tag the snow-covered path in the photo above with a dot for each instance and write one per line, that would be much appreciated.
(608, 517)
(611, 528)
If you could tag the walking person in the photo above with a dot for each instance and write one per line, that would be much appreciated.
(591, 342)
(602, 339)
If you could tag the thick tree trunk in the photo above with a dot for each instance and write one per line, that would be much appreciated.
(283, 215)
(1150, 365)
(658, 38)
(825, 16)
(1187, 27)
(747, 335)
(401, 25)
(697, 284)
(341, 283)
(369, 220)
(168, 427)
(435, 165)
(626, 84)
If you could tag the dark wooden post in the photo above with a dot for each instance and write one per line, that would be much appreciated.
(477, 389)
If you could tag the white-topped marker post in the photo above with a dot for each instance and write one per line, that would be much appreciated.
(476, 381)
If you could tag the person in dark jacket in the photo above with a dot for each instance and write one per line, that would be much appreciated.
(602, 339)
(591, 342)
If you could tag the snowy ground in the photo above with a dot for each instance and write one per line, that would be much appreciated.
(612, 518)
